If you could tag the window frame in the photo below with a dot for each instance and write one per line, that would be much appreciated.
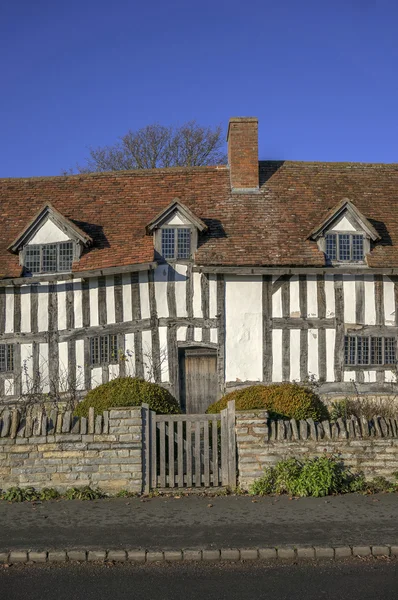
(99, 351)
(9, 352)
(351, 235)
(193, 236)
(41, 254)
(372, 350)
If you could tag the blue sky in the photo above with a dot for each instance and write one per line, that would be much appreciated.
(320, 76)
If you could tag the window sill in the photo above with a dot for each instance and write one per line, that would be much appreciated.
(369, 367)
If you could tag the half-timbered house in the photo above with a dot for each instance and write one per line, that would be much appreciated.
(201, 278)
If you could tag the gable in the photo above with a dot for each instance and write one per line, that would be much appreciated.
(178, 212)
(176, 219)
(348, 215)
(48, 233)
(342, 224)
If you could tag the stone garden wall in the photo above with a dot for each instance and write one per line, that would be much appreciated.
(368, 446)
(62, 452)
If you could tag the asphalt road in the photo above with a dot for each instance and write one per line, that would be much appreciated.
(175, 523)
(343, 581)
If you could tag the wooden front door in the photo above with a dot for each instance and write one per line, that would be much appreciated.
(198, 379)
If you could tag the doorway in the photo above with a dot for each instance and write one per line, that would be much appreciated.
(198, 379)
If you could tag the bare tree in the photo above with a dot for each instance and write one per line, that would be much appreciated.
(157, 146)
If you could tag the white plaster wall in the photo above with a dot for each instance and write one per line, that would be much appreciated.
(182, 334)
(25, 308)
(147, 352)
(349, 291)
(313, 367)
(63, 370)
(181, 290)
(42, 307)
(243, 315)
(127, 301)
(329, 296)
(130, 354)
(276, 302)
(27, 367)
(110, 299)
(312, 296)
(214, 335)
(49, 233)
(212, 296)
(294, 296)
(197, 295)
(161, 274)
(389, 301)
(369, 376)
(96, 377)
(343, 225)
(61, 293)
(43, 368)
(113, 372)
(78, 303)
(80, 364)
(370, 306)
(349, 376)
(390, 377)
(93, 298)
(9, 326)
(295, 355)
(277, 355)
(197, 334)
(9, 387)
(144, 294)
(165, 377)
(330, 345)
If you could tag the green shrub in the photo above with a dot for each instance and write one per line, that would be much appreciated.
(17, 494)
(281, 400)
(363, 407)
(49, 494)
(128, 391)
(315, 477)
(84, 493)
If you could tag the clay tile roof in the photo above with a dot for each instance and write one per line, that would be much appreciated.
(270, 228)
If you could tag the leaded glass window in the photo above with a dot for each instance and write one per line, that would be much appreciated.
(176, 242)
(344, 247)
(48, 258)
(369, 350)
(103, 349)
(6, 357)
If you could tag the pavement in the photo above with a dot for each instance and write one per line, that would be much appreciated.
(348, 580)
(195, 522)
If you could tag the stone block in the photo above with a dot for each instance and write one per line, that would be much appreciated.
(267, 553)
(136, 555)
(173, 555)
(57, 556)
(3, 558)
(362, 551)
(342, 552)
(18, 557)
(394, 550)
(38, 557)
(154, 557)
(380, 550)
(305, 553)
(77, 555)
(324, 552)
(96, 555)
(230, 554)
(211, 555)
(286, 553)
(190, 555)
(117, 555)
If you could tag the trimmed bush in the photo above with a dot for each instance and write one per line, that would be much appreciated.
(128, 391)
(281, 400)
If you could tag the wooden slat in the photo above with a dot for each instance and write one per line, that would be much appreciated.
(180, 454)
(206, 454)
(224, 447)
(171, 454)
(154, 468)
(231, 445)
(214, 431)
(162, 450)
(198, 475)
(147, 452)
(189, 453)
(187, 418)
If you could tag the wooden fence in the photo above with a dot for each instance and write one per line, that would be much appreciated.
(189, 451)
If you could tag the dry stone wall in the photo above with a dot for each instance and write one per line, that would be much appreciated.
(62, 452)
(367, 446)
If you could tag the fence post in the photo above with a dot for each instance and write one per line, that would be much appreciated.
(231, 444)
(146, 448)
(224, 447)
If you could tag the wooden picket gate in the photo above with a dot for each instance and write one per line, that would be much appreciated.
(189, 451)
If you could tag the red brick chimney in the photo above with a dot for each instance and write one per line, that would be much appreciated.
(242, 138)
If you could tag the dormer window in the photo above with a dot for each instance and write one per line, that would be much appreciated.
(48, 258)
(345, 247)
(175, 231)
(176, 242)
